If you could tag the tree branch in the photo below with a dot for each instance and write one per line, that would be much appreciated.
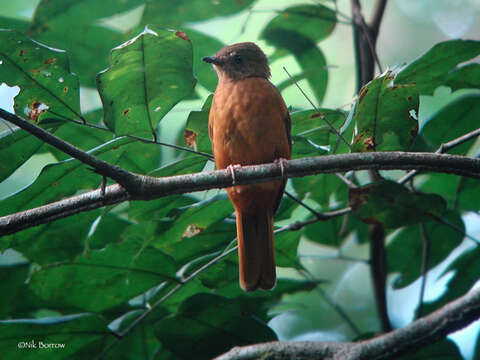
(149, 188)
(425, 331)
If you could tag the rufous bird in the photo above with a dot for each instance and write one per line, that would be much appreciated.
(249, 124)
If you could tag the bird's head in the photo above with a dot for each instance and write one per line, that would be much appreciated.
(240, 61)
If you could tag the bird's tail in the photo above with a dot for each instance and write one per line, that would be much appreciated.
(255, 250)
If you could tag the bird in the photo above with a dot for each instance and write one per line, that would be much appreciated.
(249, 124)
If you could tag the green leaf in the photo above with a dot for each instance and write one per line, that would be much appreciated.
(55, 241)
(212, 325)
(63, 330)
(385, 116)
(298, 29)
(465, 274)
(141, 86)
(47, 88)
(310, 133)
(174, 13)
(62, 179)
(468, 194)
(454, 120)
(314, 22)
(444, 185)
(445, 349)
(323, 188)
(88, 45)
(12, 278)
(187, 221)
(16, 147)
(196, 130)
(286, 245)
(393, 205)
(203, 242)
(309, 120)
(121, 271)
(13, 23)
(405, 248)
(432, 69)
(467, 76)
(78, 11)
(204, 45)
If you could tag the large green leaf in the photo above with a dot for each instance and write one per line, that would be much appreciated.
(467, 76)
(298, 29)
(47, 88)
(405, 248)
(174, 13)
(465, 274)
(204, 45)
(393, 205)
(13, 23)
(314, 22)
(148, 76)
(211, 325)
(72, 333)
(16, 147)
(12, 278)
(55, 241)
(323, 188)
(468, 194)
(385, 116)
(452, 121)
(103, 278)
(311, 135)
(432, 69)
(189, 220)
(88, 45)
(78, 11)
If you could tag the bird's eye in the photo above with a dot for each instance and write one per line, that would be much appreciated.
(237, 59)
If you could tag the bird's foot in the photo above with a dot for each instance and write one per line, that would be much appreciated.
(232, 168)
(282, 162)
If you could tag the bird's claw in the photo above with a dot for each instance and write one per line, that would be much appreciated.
(232, 168)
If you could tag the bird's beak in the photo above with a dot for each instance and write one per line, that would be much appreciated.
(212, 60)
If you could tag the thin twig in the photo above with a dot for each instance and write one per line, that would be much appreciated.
(443, 148)
(301, 203)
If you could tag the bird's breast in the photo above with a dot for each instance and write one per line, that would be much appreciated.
(248, 122)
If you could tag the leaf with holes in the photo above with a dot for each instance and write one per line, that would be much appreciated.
(385, 116)
(148, 76)
(393, 205)
(47, 88)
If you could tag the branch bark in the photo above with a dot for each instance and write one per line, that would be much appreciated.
(425, 331)
(149, 188)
